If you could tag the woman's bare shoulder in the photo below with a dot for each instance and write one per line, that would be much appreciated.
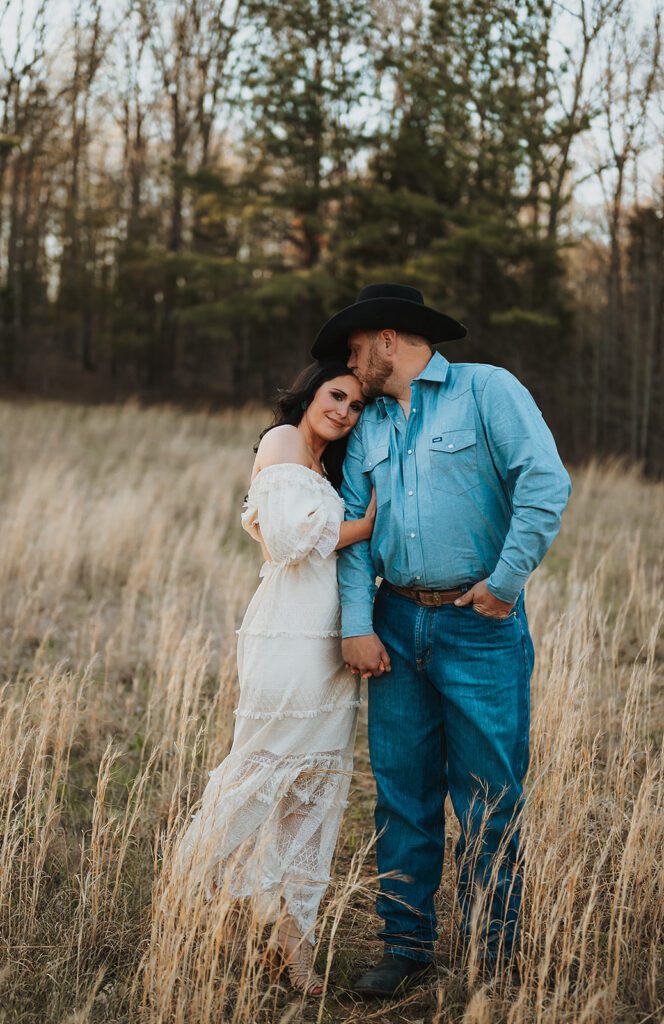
(282, 444)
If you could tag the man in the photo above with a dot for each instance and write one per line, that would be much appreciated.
(470, 491)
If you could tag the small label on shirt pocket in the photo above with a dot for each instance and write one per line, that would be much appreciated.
(453, 460)
(377, 465)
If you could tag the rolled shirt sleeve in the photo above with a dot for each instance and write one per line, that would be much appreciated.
(355, 568)
(527, 461)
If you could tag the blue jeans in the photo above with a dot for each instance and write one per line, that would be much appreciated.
(452, 716)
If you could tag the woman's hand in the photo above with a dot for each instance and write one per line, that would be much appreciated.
(369, 517)
(353, 530)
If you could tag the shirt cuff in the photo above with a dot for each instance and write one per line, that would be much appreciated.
(506, 584)
(356, 619)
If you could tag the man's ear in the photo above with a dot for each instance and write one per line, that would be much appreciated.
(389, 339)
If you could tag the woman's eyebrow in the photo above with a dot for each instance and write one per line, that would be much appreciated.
(355, 400)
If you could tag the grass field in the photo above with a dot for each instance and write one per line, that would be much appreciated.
(123, 575)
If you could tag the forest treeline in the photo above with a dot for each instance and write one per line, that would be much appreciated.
(190, 189)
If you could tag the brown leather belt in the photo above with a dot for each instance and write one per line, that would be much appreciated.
(428, 598)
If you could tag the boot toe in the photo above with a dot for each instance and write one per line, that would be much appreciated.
(393, 974)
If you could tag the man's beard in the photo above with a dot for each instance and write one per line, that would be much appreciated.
(378, 371)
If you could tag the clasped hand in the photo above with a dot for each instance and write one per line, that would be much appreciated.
(365, 655)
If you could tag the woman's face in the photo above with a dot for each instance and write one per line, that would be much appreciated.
(336, 407)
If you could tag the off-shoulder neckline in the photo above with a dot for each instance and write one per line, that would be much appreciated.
(307, 469)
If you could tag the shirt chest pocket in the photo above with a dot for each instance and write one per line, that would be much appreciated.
(377, 467)
(453, 461)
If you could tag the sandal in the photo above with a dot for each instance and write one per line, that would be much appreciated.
(295, 955)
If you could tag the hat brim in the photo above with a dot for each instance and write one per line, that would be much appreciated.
(379, 313)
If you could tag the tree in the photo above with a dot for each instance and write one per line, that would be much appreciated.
(193, 54)
(26, 127)
(631, 67)
(645, 270)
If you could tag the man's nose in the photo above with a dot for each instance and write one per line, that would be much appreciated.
(351, 361)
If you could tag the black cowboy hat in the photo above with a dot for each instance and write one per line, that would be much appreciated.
(381, 306)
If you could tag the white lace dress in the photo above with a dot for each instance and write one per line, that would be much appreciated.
(271, 811)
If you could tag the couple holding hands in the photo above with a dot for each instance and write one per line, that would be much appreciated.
(441, 479)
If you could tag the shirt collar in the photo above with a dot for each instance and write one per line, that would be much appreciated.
(435, 370)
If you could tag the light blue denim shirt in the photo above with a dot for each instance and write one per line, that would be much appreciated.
(469, 487)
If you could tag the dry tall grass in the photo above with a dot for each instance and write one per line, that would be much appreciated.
(123, 574)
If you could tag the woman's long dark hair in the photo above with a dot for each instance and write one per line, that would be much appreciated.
(289, 408)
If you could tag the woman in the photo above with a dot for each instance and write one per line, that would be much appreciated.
(271, 810)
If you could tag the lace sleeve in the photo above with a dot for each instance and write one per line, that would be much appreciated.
(329, 538)
(295, 514)
(249, 518)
